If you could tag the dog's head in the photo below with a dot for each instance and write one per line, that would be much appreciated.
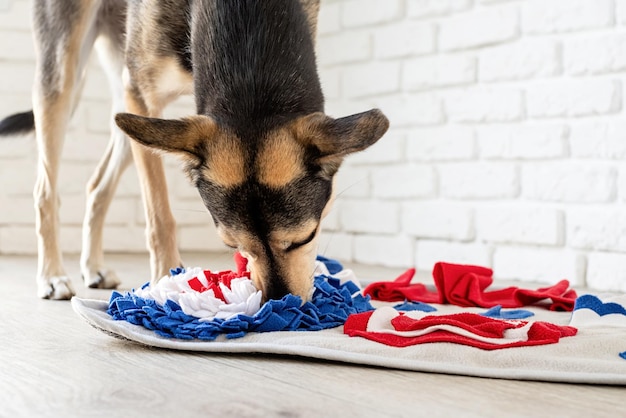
(266, 196)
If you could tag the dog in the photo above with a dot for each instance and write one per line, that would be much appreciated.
(260, 149)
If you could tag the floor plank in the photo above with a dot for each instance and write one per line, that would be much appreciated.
(55, 365)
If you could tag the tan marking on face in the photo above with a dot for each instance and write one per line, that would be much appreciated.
(298, 266)
(280, 160)
(225, 161)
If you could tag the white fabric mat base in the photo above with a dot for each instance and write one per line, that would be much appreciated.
(591, 357)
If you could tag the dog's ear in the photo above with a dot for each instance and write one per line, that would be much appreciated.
(185, 136)
(336, 138)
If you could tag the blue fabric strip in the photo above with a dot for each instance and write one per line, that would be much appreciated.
(407, 305)
(497, 313)
(595, 304)
(330, 306)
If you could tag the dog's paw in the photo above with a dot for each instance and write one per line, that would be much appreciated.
(56, 288)
(101, 279)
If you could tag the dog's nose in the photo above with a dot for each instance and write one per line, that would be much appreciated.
(275, 288)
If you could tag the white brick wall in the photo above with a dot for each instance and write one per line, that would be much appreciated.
(506, 144)
(507, 134)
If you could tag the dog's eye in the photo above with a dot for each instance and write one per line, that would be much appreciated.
(234, 247)
(295, 245)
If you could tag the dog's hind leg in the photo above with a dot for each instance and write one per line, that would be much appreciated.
(64, 35)
(104, 181)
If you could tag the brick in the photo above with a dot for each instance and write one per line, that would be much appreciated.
(529, 58)
(13, 103)
(96, 85)
(72, 210)
(384, 250)
(604, 139)
(512, 224)
(438, 71)
(404, 39)
(336, 245)
(478, 180)
(447, 143)
(352, 182)
(16, 15)
(344, 47)
(438, 220)
(620, 11)
(191, 212)
(427, 8)
(124, 239)
(16, 46)
(478, 28)
(574, 98)
(621, 183)
(597, 228)
(606, 271)
(369, 216)
(540, 16)
(569, 182)
(484, 104)
(17, 176)
(17, 210)
(597, 55)
(543, 265)
(179, 185)
(73, 177)
(331, 221)
(389, 149)
(129, 183)
(18, 240)
(357, 13)
(200, 238)
(17, 78)
(99, 117)
(430, 252)
(85, 147)
(329, 18)
(17, 147)
(527, 141)
(411, 110)
(404, 181)
(370, 79)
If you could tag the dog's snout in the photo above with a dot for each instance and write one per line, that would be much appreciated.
(275, 292)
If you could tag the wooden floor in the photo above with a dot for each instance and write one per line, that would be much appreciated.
(54, 365)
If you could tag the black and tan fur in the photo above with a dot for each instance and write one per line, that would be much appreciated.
(260, 149)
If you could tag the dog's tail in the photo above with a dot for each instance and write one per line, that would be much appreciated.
(18, 124)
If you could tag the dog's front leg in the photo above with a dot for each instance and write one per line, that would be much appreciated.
(160, 223)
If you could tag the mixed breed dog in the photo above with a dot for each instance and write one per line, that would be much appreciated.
(260, 149)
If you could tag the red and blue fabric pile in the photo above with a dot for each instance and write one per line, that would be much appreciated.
(465, 286)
